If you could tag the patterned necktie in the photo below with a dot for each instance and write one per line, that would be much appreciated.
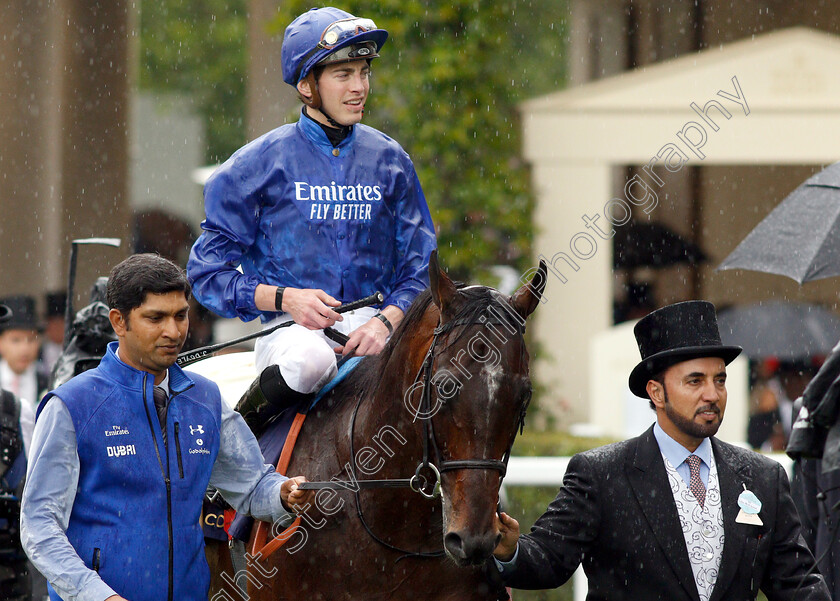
(695, 484)
(160, 405)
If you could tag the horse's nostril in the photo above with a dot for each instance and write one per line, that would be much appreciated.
(470, 549)
(453, 543)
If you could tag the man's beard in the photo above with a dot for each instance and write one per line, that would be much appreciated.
(688, 426)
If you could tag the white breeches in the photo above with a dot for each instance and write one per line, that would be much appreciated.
(306, 357)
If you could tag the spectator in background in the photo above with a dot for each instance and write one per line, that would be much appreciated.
(53, 342)
(19, 581)
(639, 301)
(20, 371)
(793, 378)
(777, 384)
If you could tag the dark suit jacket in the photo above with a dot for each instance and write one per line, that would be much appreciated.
(616, 514)
(820, 526)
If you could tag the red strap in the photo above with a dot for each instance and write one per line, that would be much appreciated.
(289, 445)
(230, 514)
(260, 548)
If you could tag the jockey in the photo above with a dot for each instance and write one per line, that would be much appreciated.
(314, 214)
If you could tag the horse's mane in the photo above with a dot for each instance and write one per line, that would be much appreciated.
(367, 374)
(474, 300)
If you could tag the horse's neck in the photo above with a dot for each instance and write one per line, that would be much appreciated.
(387, 411)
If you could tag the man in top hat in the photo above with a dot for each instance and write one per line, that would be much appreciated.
(20, 371)
(675, 513)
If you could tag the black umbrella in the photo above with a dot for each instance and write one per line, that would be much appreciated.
(788, 331)
(651, 244)
(800, 238)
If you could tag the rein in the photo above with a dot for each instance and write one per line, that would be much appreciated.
(419, 482)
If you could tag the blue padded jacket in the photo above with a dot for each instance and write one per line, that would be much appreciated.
(136, 515)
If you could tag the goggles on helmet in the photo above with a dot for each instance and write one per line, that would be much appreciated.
(337, 32)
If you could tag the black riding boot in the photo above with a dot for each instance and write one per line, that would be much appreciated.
(267, 397)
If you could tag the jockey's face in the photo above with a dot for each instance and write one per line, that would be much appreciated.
(344, 89)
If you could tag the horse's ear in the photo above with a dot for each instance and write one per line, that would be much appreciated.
(443, 290)
(525, 299)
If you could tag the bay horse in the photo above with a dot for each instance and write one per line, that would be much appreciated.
(442, 402)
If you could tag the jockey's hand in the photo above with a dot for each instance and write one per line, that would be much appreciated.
(293, 496)
(310, 307)
(115, 598)
(509, 529)
(368, 339)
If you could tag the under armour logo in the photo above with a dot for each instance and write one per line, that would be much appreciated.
(198, 429)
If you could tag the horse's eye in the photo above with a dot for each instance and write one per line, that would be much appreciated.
(447, 389)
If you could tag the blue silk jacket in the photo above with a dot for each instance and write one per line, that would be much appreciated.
(290, 210)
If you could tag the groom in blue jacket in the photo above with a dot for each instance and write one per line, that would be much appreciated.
(122, 455)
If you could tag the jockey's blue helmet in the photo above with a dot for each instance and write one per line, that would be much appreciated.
(325, 36)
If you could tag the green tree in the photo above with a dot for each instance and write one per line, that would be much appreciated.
(446, 87)
(199, 47)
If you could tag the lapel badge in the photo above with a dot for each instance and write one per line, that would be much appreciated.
(750, 506)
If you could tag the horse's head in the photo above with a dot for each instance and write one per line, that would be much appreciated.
(479, 368)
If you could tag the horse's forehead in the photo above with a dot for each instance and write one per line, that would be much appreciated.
(495, 294)
(477, 298)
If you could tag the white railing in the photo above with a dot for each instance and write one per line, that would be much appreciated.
(549, 471)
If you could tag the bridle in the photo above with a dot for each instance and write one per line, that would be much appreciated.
(420, 482)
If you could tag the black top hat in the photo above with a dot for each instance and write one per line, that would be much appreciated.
(56, 304)
(674, 334)
(5, 314)
(23, 316)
